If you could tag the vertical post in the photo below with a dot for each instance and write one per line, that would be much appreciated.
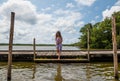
(34, 48)
(88, 43)
(10, 45)
(114, 48)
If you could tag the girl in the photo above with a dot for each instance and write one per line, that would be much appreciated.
(58, 40)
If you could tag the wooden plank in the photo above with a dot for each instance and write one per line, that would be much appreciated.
(55, 50)
(63, 52)
(61, 60)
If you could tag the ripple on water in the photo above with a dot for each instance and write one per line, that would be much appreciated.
(55, 72)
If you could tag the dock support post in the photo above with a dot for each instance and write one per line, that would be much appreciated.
(114, 48)
(34, 48)
(88, 43)
(10, 46)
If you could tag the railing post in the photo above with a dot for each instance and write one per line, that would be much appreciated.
(10, 46)
(88, 43)
(114, 48)
(34, 48)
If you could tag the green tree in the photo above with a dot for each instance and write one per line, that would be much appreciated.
(100, 34)
(83, 37)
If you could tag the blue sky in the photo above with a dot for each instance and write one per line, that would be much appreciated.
(41, 19)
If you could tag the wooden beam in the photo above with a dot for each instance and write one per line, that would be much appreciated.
(114, 48)
(10, 45)
(61, 60)
(88, 43)
(34, 48)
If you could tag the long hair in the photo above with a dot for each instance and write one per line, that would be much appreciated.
(58, 34)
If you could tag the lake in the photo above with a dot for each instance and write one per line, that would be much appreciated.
(29, 71)
(39, 48)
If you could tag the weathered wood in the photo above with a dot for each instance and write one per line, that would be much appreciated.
(88, 43)
(10, 45)
(80, 52)
(34, 48)
(114, 48)
(19, 55)
(61, 60)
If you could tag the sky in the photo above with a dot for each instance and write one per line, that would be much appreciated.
(41, 19)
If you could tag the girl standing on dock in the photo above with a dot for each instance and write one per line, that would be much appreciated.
(58, 40)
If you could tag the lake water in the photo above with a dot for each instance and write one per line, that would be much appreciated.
(27, 71)
(30, 71)
(39, 48)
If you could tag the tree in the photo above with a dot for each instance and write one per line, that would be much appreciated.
(100, 34)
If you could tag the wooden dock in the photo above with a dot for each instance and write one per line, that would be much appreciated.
(51, 56)
(61, 60)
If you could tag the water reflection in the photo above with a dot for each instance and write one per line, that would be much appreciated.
(34, 70)
(58, 76)
(22, 71)
(88, 72)
(8, 80)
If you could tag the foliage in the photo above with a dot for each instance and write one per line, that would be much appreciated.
(100, 34)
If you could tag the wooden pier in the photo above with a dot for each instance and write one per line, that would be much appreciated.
(51, 56)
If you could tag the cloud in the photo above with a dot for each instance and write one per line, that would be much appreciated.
(24, 10)
(93, 22)
(96, 17)
(69, 14)
(69, 5)
(109, 12)
(85, 2)
(117, 3)
(46, 9)
(68, 20)
(43, 18)
(30, 23)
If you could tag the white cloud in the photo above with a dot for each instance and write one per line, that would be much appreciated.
(68, 20)
(117, 3)
(25, 18)
(46, 9)
(85, 2)
(43, 18)
(93, 22)
(70, 5)
(69, 14)
(29, 23)
(109, 12)
(24, 10)
(80, 24)
(96, 17)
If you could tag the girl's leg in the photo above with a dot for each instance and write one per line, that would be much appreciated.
(59, 56)
(60, 49)
(58, 53)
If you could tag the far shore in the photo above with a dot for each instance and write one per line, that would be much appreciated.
(5, 44)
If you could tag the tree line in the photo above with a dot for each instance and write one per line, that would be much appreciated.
(100, 34)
